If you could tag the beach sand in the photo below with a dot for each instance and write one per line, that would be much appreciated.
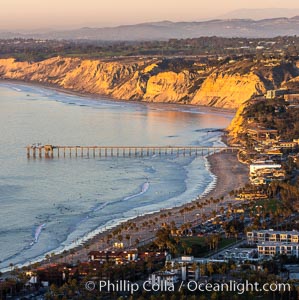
(231, 175)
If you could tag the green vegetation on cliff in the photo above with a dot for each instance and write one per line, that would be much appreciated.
(273, 114)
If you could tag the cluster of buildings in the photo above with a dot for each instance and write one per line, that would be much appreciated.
(267, 140)
(265, 171)
(123, 257)
(184, 268)
(247, 195)
(270, 150)
(261, 244)
(190, 268)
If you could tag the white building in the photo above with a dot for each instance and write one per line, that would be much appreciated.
(276, 248)
(262, 236)
(254, 167)
(164, 278)
(272, 94)
(241, 254)
(188, 267)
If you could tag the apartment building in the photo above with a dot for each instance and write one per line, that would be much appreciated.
(262, 236)
(275, 248)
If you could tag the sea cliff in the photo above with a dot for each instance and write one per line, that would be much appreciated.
(227, 85)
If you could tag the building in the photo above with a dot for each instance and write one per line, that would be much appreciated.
(273, 152)
(188, 267)
(263, 173)
(164, 278)
(260, 134)
(116, 256)
(258, 166)
(288, 145)
(293, 271)
(277, 248)
(292, 98)
(272, 94)
(251, 196)
(264, 176)
(264, 236)
(241, 254)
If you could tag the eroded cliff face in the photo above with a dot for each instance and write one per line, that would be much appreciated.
(89, 76)
(229, 91)
(169, 87)
(153, 80)
(232, 84)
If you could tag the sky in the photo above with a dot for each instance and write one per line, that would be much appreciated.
(67, 14)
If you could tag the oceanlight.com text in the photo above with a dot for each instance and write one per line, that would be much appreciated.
(239, 287)
(192, 286)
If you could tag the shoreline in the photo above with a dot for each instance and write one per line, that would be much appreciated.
(223, 166)
(98, 97)
(230, 174)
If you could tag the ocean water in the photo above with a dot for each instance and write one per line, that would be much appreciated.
(48, 205)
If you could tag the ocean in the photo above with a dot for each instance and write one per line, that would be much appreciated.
(49, 205)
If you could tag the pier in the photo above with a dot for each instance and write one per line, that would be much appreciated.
(51, 151)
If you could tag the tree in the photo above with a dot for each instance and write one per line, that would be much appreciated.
(202, 269)
(210, 268)
(128, 238)
(120, 237)
(11, 266)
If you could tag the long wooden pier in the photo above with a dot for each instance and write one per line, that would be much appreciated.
(51, 151)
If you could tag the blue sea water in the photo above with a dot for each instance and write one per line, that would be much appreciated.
(47, 205)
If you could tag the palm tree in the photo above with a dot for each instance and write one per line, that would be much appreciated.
(221, 210)
(11, 266)
(214, 213)
(202, 269)
(86, 247)
(210, 268)
(128, 238)
(189, 250)
(120, 238)
(47, 257)
(72, 252)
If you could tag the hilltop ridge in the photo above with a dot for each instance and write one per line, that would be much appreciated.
(222, 27)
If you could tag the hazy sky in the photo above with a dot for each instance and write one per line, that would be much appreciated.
(37, 14)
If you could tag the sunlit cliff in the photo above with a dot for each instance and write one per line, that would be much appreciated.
(227, 85)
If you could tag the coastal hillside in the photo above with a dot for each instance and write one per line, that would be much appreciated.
(226, 84)
(264, 113)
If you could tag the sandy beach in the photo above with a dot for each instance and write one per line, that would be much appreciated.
(231, 175)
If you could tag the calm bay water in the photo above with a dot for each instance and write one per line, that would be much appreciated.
(72, 197)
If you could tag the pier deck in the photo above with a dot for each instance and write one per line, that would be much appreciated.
(50, 151)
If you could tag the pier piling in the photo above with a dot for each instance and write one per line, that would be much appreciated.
(50, 151)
